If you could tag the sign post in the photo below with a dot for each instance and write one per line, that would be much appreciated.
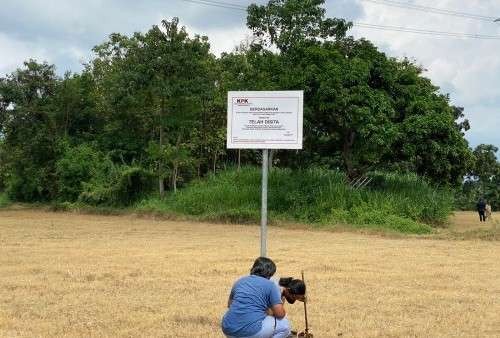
(263, 208)
(264, 120)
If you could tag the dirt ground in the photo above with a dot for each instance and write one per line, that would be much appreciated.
(72, 275)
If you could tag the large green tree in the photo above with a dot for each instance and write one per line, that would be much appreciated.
(288, 24)
(30, 131)
(154, 87)
(363, 110)
(486, 164)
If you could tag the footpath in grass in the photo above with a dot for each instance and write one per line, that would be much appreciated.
(399, 203)
(465, 225)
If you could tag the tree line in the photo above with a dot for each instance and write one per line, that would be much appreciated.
(148, 112)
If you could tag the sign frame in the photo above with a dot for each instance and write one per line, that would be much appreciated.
(265, 119)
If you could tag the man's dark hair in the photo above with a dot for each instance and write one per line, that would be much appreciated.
(295, 286)
(263, 267)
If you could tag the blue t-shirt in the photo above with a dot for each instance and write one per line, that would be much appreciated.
(251, 297)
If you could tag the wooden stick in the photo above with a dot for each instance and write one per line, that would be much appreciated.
(305, 306)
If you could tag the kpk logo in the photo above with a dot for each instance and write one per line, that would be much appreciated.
(242, 102)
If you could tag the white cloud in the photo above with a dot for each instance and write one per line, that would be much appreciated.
(14, 52)
(222, 40)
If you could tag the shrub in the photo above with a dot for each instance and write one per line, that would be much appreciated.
(4, 200)
(402, 203)
(116, 185)
(76, 167)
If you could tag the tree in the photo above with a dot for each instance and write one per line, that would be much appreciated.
(164, 75)
(29, 130)
(174, 157)
(363, 110)
(486, 165)
(430, 141)
(348, 119)
(75, 108)
(484, 178)
(287, 24)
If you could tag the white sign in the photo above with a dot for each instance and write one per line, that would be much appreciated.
(265, 120)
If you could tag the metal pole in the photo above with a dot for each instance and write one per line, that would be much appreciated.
(263, 211)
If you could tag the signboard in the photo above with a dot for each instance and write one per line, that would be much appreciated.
(265, 120)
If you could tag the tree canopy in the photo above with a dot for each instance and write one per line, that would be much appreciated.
(153, 105)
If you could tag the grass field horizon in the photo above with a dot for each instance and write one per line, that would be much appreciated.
(74, 275)
(322, 198)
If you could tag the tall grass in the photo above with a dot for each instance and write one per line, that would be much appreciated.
(4, 200)
(403, 203)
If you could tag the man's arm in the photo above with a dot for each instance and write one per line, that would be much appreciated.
(278, 311)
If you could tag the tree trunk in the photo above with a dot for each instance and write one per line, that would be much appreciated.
(175, 167)
(239, 159)
(215, 162)
(160, 161)
(204, 156)
(174, 177)
(160, 168)
(347, 152)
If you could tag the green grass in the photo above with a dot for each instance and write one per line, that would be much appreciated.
(4, 200)
(400, 203)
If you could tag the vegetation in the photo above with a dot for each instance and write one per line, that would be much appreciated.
(483, 181)
(322, 197)
(4, 200)
(148, 114)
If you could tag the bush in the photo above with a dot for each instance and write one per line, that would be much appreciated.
(26, 185)
(4, 200)
(3, 174)
(87, 175)
(76, 167)
(402, 203)
(115, 185)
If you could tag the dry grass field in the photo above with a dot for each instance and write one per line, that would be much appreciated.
(464, 221)
(72, 275)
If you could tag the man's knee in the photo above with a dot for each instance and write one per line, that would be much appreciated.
(282, 328)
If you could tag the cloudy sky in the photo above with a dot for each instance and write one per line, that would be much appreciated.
(63, 32)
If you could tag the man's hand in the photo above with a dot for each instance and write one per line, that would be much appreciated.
(278, 311)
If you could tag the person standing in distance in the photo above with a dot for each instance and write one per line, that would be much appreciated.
(250, 298)
(481, 207)
(487, 211)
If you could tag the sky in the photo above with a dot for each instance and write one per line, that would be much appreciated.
(63, 32)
